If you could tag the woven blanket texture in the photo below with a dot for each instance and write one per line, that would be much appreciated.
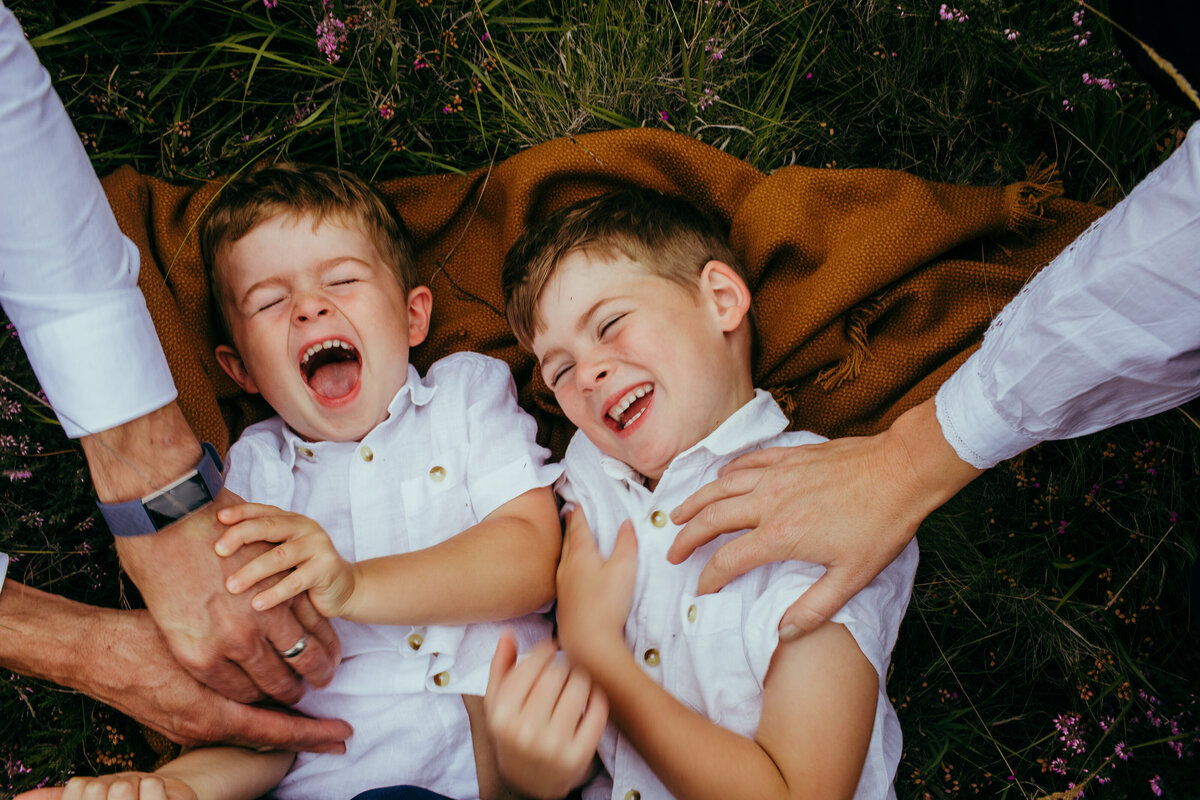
(870, 286)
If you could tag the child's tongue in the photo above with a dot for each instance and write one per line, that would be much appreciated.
(335, 379)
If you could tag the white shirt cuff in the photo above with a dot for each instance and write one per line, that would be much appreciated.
(970, 423)
(102, 366)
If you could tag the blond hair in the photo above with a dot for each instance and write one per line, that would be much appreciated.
(667, 236)
(295, 189)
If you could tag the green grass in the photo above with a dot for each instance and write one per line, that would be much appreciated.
(1057, 585)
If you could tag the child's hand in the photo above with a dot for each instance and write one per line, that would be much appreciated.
(594, 595)
(121, 786)
(545, 718)
(305, 549)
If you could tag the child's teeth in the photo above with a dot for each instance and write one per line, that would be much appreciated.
(319, 346)
(622, 405)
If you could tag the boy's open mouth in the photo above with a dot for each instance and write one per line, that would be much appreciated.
(331, 368)
(630, 407)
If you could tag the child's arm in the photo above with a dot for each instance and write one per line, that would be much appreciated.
(209, 773)
(818, 702)
(500, 568)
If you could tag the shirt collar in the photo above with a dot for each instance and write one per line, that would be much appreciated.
(414, 392)
(757, 421)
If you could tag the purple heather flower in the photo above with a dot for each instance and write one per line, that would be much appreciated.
(663, 116)
(1156, 785)
(331, 33)
(1122, 751)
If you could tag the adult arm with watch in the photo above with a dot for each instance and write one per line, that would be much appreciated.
(68, 283)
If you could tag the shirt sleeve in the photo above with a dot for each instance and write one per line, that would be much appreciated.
(504, 458)
(1109, 331)
(68, 277)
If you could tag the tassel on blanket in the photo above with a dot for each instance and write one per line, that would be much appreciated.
(1026, 197)
(848, 368)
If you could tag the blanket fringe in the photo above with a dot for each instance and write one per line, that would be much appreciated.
(849, 367)
(1041, 182)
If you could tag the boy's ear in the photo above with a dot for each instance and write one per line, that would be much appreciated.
(420, 308)
(232, 363)
(728, 293)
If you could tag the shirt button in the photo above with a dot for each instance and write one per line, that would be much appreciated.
(305, 451)
(365, 453)
(692, 613)
(651, 657)
(442, 678)
(658, 518)
(437, 474)
(415, 640)
(633, 794)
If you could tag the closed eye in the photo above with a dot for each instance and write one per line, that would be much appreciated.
(607, 325)
(269, 304)
(563, 370)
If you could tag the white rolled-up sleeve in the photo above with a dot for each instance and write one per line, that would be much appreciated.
(68, 276)
(1109, 331)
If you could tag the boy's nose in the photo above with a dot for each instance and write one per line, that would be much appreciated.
(310, 308)
(592, 375)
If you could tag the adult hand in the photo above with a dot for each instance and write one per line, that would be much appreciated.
(850, 504)
(120, 658)
(217, 636)
(120, 786)
(545, 718)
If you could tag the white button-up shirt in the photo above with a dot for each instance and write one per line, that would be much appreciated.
(1109, 331)
(68, 276)
(454, 448)
(711, 652)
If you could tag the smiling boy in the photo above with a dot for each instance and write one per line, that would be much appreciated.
(636, 309)
(432, 486)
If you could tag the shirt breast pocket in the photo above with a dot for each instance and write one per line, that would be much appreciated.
(719, 683)
(437, 504)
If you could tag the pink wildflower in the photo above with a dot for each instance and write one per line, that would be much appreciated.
(1156, 785)
(386, 111)
(331, 35)
(663, 116)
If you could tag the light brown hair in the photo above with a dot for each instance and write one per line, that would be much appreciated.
(296, 189)
(667, 236)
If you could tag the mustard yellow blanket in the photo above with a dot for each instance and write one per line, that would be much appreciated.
(870, 286)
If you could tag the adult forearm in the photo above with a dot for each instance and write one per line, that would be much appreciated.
(47, 636)
(135, 459)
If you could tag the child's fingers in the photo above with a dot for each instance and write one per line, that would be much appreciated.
(46, 793)
(573, 700)
(275, 561)
(546, 689)
(624, 551)
(514, 688)
(272, 528)
(595, 718)
(232, 515)
(304, 577)
(502, 662)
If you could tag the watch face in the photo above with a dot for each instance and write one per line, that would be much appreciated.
(177, 502)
